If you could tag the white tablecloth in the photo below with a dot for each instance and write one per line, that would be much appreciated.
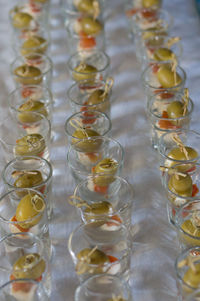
(154, 241)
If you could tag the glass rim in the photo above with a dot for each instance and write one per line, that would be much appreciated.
(167, 23)
(114, 278)
(40, 214)
(147, 85)
(72, 149)
(163, 154)
(81, 226)
(153, 99)
(177, 269)
(23, 58)
(23, 158)
(8, 283)
(78, 54)
(80, 113)
(77, 85)
(34, 87)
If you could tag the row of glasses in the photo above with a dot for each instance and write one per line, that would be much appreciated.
(100, 246)
(169, 109)
(26, 206)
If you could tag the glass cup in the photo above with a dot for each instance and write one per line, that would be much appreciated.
(26, 138)
(37, 11)
(100, 247)
(103, 287)
(27, 42)
(18, 214)
(32, 69)
(82, 164)
(152, 51)
(170, 153)
(21, 288)
(187, 271)
(152, 79)
(30, 172)
(97, 60)
(181, 187)
(187, 224)
(114, 200)
(23, 256)
(31, 99)
(84, 125)
(160, 108)
(86, 97)
(78, 40)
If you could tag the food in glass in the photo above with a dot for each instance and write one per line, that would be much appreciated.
(23, 259)
(30, 172)
(97, 248)
(168, 112)
(115, 201)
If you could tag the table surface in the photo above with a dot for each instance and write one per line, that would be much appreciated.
(154, 240)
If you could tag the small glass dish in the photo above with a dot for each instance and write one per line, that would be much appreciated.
(83, 96)
(26, 138)
(32, 69)
(97, 248)
(166, 114)
(106, 287)
(187, 224)
(31, 99)
(24, 257)
(171, 152)
(155, 75)
(159, 48)
(30, 172)
(181, 187)
(23, 289)
(187, 270)
(82, 164)
(114, 200)
(89, 65)
(80, 41)
(84, 125)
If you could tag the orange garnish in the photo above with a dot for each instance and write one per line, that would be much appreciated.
(166, 95)
(131, 12)
(117, 218)
(195, 190)
(166, 124)
(149, 14)
(191, 169)
(100, 189)
(13, 219)
(42, 189)
(88, 120)
(26, 92)
(86, 41)
(22, 286)
(155, 68)
(112, 258)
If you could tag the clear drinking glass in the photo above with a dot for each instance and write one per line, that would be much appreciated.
(83, 96)
(31, 99)
(103, 287)
(80, 41)
(97, 60)
(83, 125)
(187, 270)
(100, 247)
(30, 172)
(32, 69)
(95, 200)
(18, 214)
(23, 256)
(151, 79)
(151, 49)
(23, 289)
(170, 153)
(181, 187)
(187, 223)
(26, 138)
(159, 108)
(82, 164)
